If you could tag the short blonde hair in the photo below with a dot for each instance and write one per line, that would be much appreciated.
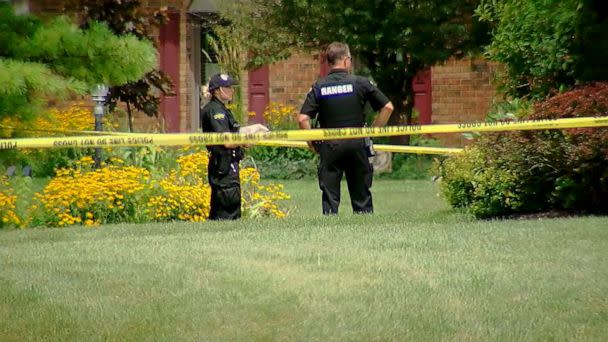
(205, 93)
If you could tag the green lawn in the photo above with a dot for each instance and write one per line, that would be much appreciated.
(413, 271)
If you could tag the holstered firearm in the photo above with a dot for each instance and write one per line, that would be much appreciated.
(369, 147)
(238, 153)
(316, 144)
(222, 159)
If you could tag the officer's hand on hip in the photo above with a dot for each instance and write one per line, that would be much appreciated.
(313, 146)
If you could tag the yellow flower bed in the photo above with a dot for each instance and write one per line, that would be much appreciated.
(118, 193)
(8, 215)
(183, 193)
(83, 195)
(186, 193)
(75, 118)
(261, 200)
(280, 116)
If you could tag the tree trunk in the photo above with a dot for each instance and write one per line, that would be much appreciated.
(130, 118)
(402, 115)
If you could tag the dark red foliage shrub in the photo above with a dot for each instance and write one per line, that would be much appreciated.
(589, 100)
(565, 170)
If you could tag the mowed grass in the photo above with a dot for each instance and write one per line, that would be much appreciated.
(413, 271)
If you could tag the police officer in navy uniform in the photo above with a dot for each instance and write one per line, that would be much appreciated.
(224, 159)
(337, 101)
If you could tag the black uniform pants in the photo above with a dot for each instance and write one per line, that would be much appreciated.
(225, 188)
(345, 157)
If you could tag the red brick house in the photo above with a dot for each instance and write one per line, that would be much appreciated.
(457, 91)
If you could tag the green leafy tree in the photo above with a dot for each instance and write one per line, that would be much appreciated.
(393, 39)
(250, 38)
(44, 61)
(129, 17)
(547, 45)
(240, 39)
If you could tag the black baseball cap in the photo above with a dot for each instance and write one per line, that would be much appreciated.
(221, 80)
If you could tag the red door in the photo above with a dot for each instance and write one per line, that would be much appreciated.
(258, 93)
(422, 87)
(169, 63)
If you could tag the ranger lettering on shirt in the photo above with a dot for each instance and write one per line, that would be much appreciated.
(337, 90)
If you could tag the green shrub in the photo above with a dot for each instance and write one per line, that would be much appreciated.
(457, 177)
(43, 162)
(486, 191)
(510, 109)
(546, 45)
(298, 163)
(283, 162)
(411, 166)
(534, 171)
(582, 183)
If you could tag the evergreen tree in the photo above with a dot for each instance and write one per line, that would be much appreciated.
(40, 61)
(129, 17)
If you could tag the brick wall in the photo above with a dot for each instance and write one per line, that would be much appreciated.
(462, 91)
(290, 80)
(186, 96)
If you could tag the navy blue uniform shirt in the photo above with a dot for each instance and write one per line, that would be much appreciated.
(339, 99)
(215, 117)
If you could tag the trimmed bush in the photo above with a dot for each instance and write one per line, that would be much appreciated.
(283, 162)
(536, 171)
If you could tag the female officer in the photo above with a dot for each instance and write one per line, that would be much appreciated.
(224, 159)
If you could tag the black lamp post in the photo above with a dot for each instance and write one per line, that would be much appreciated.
(99, 93)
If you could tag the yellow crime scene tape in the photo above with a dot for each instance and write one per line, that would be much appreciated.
(275, 143)
(180, 139)
(383, 148)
